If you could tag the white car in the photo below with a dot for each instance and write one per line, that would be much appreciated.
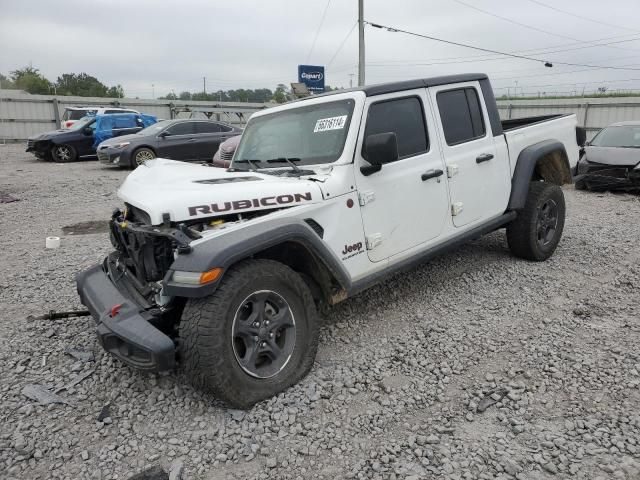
(72, 114)
(222, 270)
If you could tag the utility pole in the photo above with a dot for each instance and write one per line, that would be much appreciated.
(153, 91)
(361, 43)
(351, 75)
(204, 85)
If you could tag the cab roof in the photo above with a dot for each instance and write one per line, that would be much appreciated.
(382, 88)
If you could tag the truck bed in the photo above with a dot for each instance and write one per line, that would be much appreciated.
(516, 123)
(520, 133)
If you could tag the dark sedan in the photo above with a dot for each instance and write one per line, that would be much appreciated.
(179, 139)
(611, 161)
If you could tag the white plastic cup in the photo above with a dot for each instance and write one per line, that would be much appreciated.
(52, 242)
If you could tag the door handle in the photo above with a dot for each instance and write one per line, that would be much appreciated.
(485, 157)
(192, 139)
(431, 174)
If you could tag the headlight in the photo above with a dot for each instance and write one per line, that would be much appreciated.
(197, 278)
(121, 144)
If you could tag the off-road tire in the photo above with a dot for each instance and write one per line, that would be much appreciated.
(63, 153)
(141, 155)
(206, 347)
(525, 232)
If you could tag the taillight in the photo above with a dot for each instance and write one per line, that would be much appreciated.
(69, 124)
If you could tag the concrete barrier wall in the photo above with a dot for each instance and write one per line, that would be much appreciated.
(593, 113)
(24, 115)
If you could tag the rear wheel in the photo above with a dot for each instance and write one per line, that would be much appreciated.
(536, 232)
(580, 185)
(63, 153)
(141, 155)
(255, 336)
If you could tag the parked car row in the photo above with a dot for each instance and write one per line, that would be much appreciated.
(127, 138)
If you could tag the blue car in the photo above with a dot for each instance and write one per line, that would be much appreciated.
(85, 135)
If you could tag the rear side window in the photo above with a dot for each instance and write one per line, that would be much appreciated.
(119, 111)
(183, 128)
(461, 115)
(405, 118)
(206, 127)
(74, 114)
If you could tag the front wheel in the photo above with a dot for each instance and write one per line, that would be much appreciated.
(141, 155)
(535, 233)
(63, 153)
(255, 336)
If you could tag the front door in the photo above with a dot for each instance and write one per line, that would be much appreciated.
(404, 204)
(179, 143)
(479, 175)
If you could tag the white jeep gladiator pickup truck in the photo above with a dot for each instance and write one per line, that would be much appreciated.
(222, 271)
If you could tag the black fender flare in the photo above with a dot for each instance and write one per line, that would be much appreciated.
(525, 167)
(235, 246)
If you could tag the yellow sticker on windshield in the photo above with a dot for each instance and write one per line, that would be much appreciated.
(331, 123)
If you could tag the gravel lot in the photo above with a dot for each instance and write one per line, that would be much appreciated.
(403, 378)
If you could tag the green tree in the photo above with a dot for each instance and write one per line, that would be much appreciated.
(185, 96)
(280, 95)
(30, 80)
(81, 84)
(116, 92)
(5, 82)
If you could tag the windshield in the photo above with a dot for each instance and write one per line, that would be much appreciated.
(310, 135)
(155, 128)
(621, 136)
(83, 122)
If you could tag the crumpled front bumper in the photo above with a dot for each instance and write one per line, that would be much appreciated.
(128, 335)
(597, 176)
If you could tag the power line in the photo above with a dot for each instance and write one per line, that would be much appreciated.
(342, 44)
(324, 14)
(582, 17)
(486, 58)
(524, 25)
(506, 54)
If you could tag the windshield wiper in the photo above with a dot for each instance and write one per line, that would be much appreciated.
(287, 160)
(249, 162)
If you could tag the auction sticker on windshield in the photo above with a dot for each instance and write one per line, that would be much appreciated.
(331, 123)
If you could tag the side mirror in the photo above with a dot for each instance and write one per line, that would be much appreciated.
(88, 131)
(380, 148)
(164, 134)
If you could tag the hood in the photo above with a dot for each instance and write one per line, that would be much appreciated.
(613, 155)
(188, 192)
(48, 135)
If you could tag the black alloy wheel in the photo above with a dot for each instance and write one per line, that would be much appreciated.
(264, 334)
(547, 222)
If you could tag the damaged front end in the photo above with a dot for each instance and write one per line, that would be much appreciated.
(599, 177)
(136, 321)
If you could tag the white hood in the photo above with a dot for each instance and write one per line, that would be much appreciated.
(187, 191)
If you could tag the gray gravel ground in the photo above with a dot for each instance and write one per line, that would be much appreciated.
(476, 365)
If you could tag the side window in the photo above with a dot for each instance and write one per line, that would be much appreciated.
(207, 127)
(182, 128)
(225, 128)
(461, 115)
(405, 118)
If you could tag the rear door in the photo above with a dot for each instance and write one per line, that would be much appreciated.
(209, 137)
(404, 204)
(479, 175)
(179, 143)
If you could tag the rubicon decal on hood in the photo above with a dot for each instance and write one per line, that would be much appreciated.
(234, 205)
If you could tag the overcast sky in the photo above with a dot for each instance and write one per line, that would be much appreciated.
(259, 43)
